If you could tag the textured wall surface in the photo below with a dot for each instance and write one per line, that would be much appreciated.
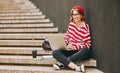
(57, 10)
(103, 16)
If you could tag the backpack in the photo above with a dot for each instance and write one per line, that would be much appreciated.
(46, 45)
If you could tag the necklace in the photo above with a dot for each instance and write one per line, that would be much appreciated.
(79, 24)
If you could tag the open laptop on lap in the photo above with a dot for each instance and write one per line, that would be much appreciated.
(57, 42)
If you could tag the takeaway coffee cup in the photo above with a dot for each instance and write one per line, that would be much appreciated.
(34, 53)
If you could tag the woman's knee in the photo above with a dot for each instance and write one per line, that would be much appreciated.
(55, 53)
(86, 53)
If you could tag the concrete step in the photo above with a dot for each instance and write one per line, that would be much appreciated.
(17, 6)
(22, 17)
(19, 11)
(40, 69)
(27, 39)
(24, 5)
(24, 21)
(26, 25)
(29, 30)
(29, 36)
(14, 59)
(12, 1)
(15, 3)
(29, 43)
(21, 14)
(23, 51)
(18, 59)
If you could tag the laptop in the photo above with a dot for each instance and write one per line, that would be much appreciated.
(57, 42)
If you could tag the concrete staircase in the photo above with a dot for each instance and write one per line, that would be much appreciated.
(23, 28)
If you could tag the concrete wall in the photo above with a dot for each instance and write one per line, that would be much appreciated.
(103, 16)
(57, 11)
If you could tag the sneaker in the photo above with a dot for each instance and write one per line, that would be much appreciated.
(58, 66)
(80, 69)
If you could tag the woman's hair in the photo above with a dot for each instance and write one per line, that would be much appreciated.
(71, 15)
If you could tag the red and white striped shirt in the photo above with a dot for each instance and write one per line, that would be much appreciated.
(78, 37)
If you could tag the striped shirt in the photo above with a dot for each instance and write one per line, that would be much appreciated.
(78, 37)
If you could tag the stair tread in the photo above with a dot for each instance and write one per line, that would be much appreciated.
(19, 11)
(40, 69)
(19, 14)
(22, 17)
(28, 36)
(17, 6)
(23, 7)
(28, 30)
(25, 21)
(13, 1)
(26, 25)
(23, 50)
(19, 59)
(16, 59)
(21, 42)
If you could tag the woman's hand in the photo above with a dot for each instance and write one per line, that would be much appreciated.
(69, 47)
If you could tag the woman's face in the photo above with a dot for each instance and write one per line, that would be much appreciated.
(76, 16)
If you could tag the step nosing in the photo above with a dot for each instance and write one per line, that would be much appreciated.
(40, 69)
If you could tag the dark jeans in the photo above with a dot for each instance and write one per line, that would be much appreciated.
(65, 56)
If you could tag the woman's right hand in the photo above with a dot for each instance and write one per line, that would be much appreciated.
(69, 47)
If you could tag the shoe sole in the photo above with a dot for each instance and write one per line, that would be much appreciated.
(83, 68)
(56, 67)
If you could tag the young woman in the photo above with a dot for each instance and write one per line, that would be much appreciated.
(78, 42)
